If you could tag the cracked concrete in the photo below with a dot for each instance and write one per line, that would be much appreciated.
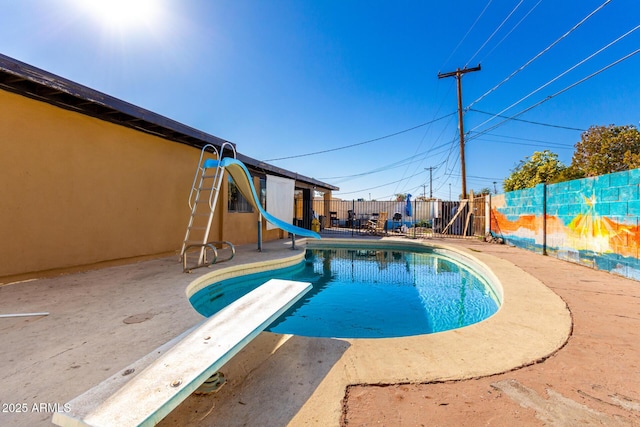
(593, 380)
(85, 339)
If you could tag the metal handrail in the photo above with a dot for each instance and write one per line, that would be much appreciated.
(233, 249)
(201, 246)
(230, 145)
(211, 246)
(199, 170)
(217, 177)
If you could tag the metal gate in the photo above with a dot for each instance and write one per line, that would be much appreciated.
(424, 218)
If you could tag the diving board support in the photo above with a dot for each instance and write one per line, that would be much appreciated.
(162, 384)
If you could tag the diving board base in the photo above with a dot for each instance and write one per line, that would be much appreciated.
(151, 388)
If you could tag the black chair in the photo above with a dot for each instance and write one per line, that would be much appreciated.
(352, 222)
(333, 219)
(397, 218)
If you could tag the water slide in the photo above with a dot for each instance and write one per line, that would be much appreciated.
(244, 182)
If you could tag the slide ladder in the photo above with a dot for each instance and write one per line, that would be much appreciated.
(202, 201)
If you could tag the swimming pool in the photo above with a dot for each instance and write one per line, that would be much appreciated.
(369, 292)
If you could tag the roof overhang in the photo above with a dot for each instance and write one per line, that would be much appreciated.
(26, 80)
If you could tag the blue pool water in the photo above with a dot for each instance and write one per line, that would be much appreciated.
(365, 293)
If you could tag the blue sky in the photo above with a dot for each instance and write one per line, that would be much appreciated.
(285, 78)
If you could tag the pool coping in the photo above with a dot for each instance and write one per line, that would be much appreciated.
(241, 270)
(531, 324)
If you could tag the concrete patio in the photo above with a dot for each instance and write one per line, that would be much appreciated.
(104, 319)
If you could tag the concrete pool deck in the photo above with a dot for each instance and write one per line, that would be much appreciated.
(102, 320)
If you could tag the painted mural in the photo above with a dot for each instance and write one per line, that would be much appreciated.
(592, 221)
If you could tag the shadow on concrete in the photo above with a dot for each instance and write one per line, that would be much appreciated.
(274, 388)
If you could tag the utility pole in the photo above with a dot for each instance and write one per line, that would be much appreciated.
(458, 75)
(430, 181)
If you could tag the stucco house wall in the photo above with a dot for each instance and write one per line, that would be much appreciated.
(77, 190)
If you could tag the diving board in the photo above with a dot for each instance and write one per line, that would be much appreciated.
(162, 384)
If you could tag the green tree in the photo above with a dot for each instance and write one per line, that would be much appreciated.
(567, 174)
(632, 160)
(540, 167)
(607, 149)
(482, 192)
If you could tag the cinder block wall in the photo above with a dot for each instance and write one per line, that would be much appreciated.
(591, 221)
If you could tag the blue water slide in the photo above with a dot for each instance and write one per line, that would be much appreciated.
(244, 182)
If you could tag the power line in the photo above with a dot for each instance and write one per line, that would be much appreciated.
(512, 30)
(418, 147)
(478, 134)
(559, 146)
(529, 121)
(404, 173)
(545, 50)
(494, 33)
(558, 93)
(436, 167)
(486, 178)
(468, 31)
(360, 143)
(449, 173)
(448, 170)
(408, 160)
(561, 74)
(526, 139)
(378, 186)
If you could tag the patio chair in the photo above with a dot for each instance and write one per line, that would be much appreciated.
(352, 222)
(333, 219)
(378, 226)
(397, 219)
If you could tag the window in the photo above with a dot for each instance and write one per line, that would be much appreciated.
(263, 192)
(237, 202)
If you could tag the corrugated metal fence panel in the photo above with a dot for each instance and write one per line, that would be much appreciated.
(431, 218)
